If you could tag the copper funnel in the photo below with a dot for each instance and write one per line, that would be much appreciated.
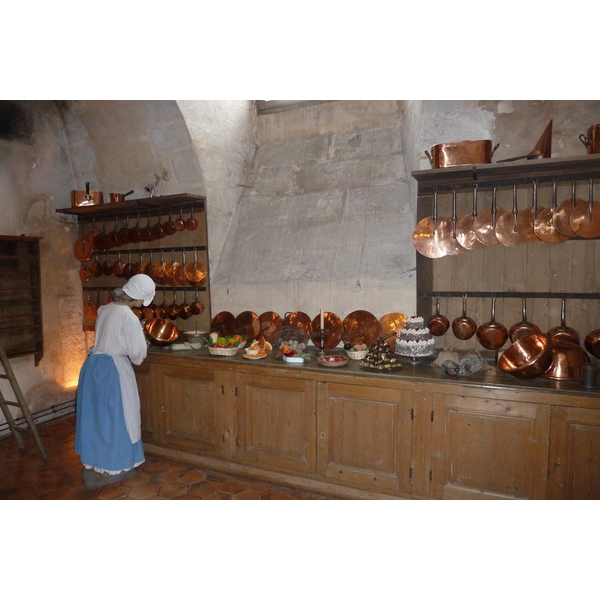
(543, 148)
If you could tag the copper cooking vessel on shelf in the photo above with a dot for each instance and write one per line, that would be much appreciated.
(465, 231)
(563, 211)
(334, 330)
(512, 227)
(567, 359)
(438, 324)
(464, 327)
(543, 148)
(223, 323)
(361, 326)
(460, 154)
(528, 357)
(86, 198)
(585, 217)
(591, 140)
(524, 327)
(191, 223)
(120, 197)
(563, 333)
(271, 324)
(492, 335)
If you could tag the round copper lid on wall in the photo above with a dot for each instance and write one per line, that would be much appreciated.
(223, 323)
(366, 326)
(391, 323)
(247, 324)
(270, 325)
(334, 329)
(298, 319)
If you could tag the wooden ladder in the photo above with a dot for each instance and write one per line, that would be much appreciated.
(20, 403)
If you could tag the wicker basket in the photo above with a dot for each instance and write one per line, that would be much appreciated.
(357, 354)
(223, 351)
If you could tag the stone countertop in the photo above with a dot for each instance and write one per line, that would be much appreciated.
(423, 371)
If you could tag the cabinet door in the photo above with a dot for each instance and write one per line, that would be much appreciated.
(276, 422)
(575, 454)
(364, 436)
(487, 447)
(194, 410)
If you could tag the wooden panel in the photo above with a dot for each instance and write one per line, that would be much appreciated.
(143, 376)
(364, 435)
(276, 422)
(575, 454)
(489, 448)
(190, 412)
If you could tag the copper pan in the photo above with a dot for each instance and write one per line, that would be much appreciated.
(149, 312)
(592, 342)
(563, 211)
(169, 226)
(195, 271)
(438, 324)
(426, 234)
(86, 198)
(567, 359)
(191, 224)
(334, 330)
(135, 233)
(585, 218)
(96, 268)
(147, 232)
(128, 269)
(92, 233)
(161, 310)
(112, 240)
(83, 250)
(485, 223)
(179, 224)
(140, 266)
(271, 324)
(511, 228)
(161, 332)
(85, 273)
(592, 141)
(197, 306)
(446, 232)
(463, 153)
(492, 335)
(173, 309)
(122, 235)
(158, 231)
(361, 326)
(223, 323)
(90, 310)
(118, 266)
(562, 332)
(391, 323)
(298, 319)
(465, 232)
(464, 327)
(107, 267)
(543, 223)
(247, 324)
(185, 310)
(119, 197)
(524, 327)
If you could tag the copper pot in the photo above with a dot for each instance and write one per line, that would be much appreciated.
(563, 333)
(119, 197)
(529, 357)
(86, 198)
(567, 359)
(438, 324)
(492, 335)
(524, 327)
(464, 327)
(458, 154)
(592, 140)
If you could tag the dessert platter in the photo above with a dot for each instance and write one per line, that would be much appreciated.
(415, 340)
(380, 357)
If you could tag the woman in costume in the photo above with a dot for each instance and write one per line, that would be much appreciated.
(108, 422)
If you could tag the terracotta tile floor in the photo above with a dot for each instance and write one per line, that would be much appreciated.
(27, 476)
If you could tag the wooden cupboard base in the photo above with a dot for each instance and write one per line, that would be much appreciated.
(290, 481)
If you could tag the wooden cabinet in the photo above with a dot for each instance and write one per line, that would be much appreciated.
(364, 436)
(359, 435)
(488, 446)
(574, 472)
(21, 330)
(276, 419)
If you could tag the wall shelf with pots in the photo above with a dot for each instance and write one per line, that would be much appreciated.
(163, 236)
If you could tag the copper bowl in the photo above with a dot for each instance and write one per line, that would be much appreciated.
(567, 359)
(528, 357)
(592, 343)
(161, 332)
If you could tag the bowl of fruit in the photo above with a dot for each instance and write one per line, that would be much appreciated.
(356, 351)
(258, 348)
(333, 360)
(225, 345)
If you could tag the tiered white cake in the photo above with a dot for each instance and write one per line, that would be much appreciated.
(415, 339)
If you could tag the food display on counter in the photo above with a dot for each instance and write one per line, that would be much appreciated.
(225, 345)
(415, 340)
(356, 351)
(333, 360)
(380, 357)
(258, 348)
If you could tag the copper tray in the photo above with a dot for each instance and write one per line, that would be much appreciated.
(299, 319)
(334, 329)
(270, 325)
(365, 324)
(390, 323)
(223, 323)
(247, 324)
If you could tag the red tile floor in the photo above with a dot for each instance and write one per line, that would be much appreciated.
(27, 476)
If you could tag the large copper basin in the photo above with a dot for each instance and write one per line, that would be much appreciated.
(567, 359)
(528, 357)
(161, 332)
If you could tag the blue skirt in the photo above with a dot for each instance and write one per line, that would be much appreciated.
(101, 437)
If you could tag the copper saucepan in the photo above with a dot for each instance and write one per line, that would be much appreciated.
(592, 342)
(465, 231)
(585, 218)
(544, 223)
(119, 197)
(524, 327)
(492, 335)
(592, 140)
(485, 223)
(563, 333)
(511, 227)
(85, 198)
(563, 211)
(438, 324)
(464, 327)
